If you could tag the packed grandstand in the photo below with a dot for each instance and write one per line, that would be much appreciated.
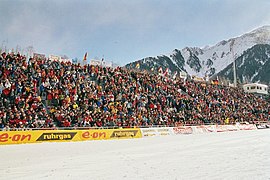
(52, 94)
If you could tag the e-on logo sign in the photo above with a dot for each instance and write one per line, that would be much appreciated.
(15, 138)
(56, 136)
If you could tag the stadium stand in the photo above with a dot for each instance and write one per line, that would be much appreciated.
(52, 94)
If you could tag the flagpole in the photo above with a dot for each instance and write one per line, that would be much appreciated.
(234, 65)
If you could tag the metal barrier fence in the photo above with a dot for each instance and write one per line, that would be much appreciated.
(79, 128)
(105, 127)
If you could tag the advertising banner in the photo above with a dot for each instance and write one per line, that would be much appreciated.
(231, 127)
(107, 64)
(65, 60)
(125, 133)
(19, 137)
(95, 62)
(102, 134)
(247, 126)
(54, 58)
(36, 136)
(182, 130)
(221, 128)
(149, 132)
(204, 129)
(38, 56)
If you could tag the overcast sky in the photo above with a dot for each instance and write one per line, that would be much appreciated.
(125, 30)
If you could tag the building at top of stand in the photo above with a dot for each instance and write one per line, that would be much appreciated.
(256, 88)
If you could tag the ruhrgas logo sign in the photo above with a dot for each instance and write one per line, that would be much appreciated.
(124, 133)
(56, 136)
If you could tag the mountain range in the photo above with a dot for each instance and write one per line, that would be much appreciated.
(251, 52)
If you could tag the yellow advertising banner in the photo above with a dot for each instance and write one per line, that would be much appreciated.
(100, 134)
(19, 137)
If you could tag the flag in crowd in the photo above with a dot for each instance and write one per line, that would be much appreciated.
(138, 65)
(175, 74)
(215, 82)
(166, 72)
(160, 70)
(85, 57)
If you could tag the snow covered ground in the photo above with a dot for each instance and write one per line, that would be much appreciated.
(231, 155)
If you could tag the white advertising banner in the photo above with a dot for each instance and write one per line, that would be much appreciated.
(163, 131)
(246, 126)
(65, 60)
(54, 58)
(182, 130)
(231, 127)
(107, 64)
(95, 62)
(221, 128)
(204, 129)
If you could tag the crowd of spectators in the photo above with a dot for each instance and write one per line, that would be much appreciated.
(51, 94)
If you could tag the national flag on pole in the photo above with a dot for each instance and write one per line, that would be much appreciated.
(85, 57)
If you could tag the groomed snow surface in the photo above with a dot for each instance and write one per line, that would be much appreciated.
(230, 155)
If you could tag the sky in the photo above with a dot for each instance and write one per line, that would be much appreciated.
(123, 31)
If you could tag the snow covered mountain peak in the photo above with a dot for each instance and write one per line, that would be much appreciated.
(209, 60)
(261, 30)
(215, 58)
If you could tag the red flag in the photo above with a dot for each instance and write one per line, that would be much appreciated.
(166, 72)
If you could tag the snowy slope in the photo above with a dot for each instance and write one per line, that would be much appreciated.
(232, 155)
(252, 66)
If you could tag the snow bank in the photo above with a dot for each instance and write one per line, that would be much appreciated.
(230, 155)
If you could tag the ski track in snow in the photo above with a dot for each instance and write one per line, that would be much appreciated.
(230, 155)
